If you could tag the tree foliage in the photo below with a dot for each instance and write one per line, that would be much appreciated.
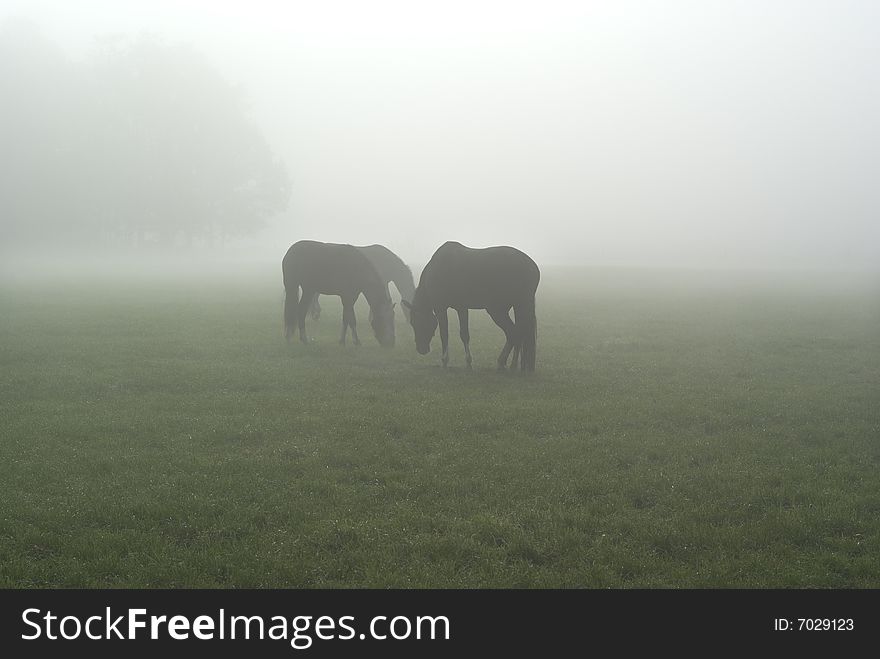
(143, 140)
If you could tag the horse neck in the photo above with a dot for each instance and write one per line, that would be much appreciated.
(391, 267)
(422, 297)
(403, 280)
(423, 294)
(375, 291)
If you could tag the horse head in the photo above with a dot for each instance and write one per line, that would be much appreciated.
(424, 324)
(382, 322)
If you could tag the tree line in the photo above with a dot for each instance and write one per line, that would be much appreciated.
(139, 142)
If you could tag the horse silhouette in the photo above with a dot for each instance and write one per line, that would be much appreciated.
(390, 267)
(334, 269)
(496, 279)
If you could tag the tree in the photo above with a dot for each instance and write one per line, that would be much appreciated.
(39, 137)
(144, 140)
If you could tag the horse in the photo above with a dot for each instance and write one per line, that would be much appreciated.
(390, 267)
(334, 269)
(495, 279)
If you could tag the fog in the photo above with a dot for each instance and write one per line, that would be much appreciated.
(701, 133)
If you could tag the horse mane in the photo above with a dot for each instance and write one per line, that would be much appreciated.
(399, 261)
(386, 261)
(379, 291)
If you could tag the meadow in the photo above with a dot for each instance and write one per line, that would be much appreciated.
(682, 430)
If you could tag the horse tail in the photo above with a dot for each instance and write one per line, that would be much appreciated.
(528, 331)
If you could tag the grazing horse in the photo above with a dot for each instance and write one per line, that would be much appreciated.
(495, 279)
(390, 268)
(340, 270)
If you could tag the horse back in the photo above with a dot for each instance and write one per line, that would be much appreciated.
(329, 268)
(459, 276)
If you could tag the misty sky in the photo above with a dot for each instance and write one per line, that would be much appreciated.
(737, 133)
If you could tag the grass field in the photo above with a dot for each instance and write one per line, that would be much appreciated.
(681, 431)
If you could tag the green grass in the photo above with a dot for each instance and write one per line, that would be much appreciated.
(161, 433)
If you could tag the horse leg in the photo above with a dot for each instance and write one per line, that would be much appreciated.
(443, 321)
(517, 349)
(502, 319)
(465, 334)
(345, 320)
(344, 325)
(291, 310)
(316, 308)
(302, 310)
(349, 318)
(354, 331)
